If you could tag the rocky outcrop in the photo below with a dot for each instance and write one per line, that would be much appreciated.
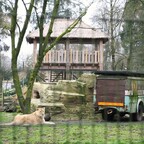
(54, 96)
(64, 91)
(90, 81)
(88, 78)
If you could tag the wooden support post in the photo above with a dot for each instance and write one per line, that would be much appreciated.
(67, 59)
(77, 60)
(101, 55)
(50, 59)
(86, 55)
(47, 57)
(71, 56)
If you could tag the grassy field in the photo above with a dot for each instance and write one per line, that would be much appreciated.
(75, 132)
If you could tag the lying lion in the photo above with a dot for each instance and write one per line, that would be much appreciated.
(36, 117)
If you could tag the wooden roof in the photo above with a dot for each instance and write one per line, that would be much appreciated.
(81, 31)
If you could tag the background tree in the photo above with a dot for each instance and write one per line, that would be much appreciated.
(4, 19)
(4, 27)
(109, 18)
(6, 67)
(3, 72)
(67, 9)
(132, 34)
(25, 103)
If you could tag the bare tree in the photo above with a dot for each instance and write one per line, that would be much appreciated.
(25, 103)
(109, 19)
(4, 27)
(3, 47)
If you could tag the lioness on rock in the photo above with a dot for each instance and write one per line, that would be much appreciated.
(36, 117)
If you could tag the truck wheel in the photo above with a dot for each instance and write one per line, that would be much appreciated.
(139, 115)
(107, 117)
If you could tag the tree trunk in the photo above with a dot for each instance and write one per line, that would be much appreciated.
(129, 57)
(130, 47)
(112, 35)
(1, 78)
(30, 84)
(17, 84)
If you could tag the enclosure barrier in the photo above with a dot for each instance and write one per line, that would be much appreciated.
(75, 130)
(78, 124)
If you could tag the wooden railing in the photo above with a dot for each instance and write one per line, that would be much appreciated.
(75, 56)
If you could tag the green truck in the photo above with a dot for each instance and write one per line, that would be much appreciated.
(118, 94)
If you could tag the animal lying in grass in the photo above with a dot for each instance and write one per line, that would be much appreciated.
(34, 118)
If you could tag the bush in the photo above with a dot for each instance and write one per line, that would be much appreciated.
(9, 92)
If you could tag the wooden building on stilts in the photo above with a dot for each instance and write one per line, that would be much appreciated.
(78, 51)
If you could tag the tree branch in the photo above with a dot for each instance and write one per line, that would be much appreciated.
(54, 13)
(13, 25)
(37, 16)
(41, 22)
(22, 33)
(18, 26)
(16, 50)
(65, 32)
(24, 5)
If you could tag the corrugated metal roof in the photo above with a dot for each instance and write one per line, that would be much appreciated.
(81, 30)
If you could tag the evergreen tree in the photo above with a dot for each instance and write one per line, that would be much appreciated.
(132, 34)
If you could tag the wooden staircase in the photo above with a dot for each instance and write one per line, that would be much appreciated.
(55, 76)
(5, 103)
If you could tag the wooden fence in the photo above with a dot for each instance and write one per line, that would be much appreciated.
(74, 56)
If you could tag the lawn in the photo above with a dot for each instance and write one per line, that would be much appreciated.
(75, 132)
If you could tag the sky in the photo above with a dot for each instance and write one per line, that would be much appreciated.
(27, 48)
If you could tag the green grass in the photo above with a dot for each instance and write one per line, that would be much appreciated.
(72, 133)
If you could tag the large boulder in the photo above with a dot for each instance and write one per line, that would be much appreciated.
(55, 96)
(71, 86)
(90, 81)
(63, 91)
